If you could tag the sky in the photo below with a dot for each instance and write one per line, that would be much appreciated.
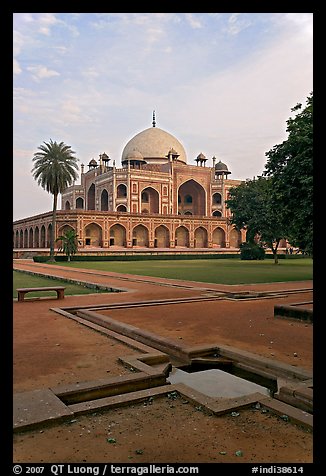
(223, 84)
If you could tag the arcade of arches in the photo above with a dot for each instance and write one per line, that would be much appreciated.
(123, 232)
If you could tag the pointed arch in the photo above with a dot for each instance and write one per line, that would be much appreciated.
(17, 239)
(216, 198)
(104, 201)
(91, 197)
(218, 237)
(150, 200)
(162, 237)
(191, 198)
(121, 191)
(117, 235)
(79, 203)
(25, 238)
(43, 238)
(140, 236)
(235, 238)
(31, 238)
(62, 231)
(49, 235)
(93, 235)
(201, 239)
(37, 237)
(182, 236)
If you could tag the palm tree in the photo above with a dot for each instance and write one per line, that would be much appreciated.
(54, 169)
(69, 243)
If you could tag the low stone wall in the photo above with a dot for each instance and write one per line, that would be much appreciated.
(293, 312)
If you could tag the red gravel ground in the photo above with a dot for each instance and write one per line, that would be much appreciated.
(50, 349)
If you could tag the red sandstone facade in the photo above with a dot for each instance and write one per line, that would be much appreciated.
(155, 200)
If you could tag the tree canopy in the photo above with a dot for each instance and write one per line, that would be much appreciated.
(279, 204)
(253, 209)
(290, 164)
(55, 168)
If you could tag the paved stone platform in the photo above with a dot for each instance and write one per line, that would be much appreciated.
(35, 408)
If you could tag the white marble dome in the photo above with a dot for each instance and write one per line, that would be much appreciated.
(154, 145)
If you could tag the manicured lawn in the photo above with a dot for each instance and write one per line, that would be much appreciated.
(220, 271)
(25, 280)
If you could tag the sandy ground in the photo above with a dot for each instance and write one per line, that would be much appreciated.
(50, 349)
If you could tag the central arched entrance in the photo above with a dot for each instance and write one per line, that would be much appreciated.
(191, 199)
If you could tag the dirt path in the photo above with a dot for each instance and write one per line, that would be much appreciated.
(50, 349)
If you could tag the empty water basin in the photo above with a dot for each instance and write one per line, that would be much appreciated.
(216, 383)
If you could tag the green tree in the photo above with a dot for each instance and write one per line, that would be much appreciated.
(290, 164)
(69, 243)
(54, 169)
(252, 209)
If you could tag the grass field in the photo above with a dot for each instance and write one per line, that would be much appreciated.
(220, 271)
(24, 280)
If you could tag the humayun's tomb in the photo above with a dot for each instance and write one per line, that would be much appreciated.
(156, 200)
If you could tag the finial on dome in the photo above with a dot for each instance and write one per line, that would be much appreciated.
(154, 122)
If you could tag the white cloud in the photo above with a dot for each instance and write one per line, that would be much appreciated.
(193, 20)
(45, 22)
(42, 72)
(236, 23)
(72, 112)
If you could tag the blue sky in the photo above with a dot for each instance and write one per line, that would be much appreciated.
(222, 83)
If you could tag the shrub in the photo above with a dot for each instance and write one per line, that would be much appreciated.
(251, 251)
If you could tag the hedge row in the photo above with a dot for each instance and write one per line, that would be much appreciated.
(149, 257)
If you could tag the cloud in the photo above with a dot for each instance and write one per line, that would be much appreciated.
(236, 23)
(45, 22)
(193, 20)
(41, 72)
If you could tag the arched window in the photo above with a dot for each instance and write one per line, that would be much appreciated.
(121, 191)
(80, 203)
(217, 199)
(217, 213)
(104, 201)
(149, 200)
(91, 197)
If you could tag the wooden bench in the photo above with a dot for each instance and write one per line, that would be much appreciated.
(23, 291)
